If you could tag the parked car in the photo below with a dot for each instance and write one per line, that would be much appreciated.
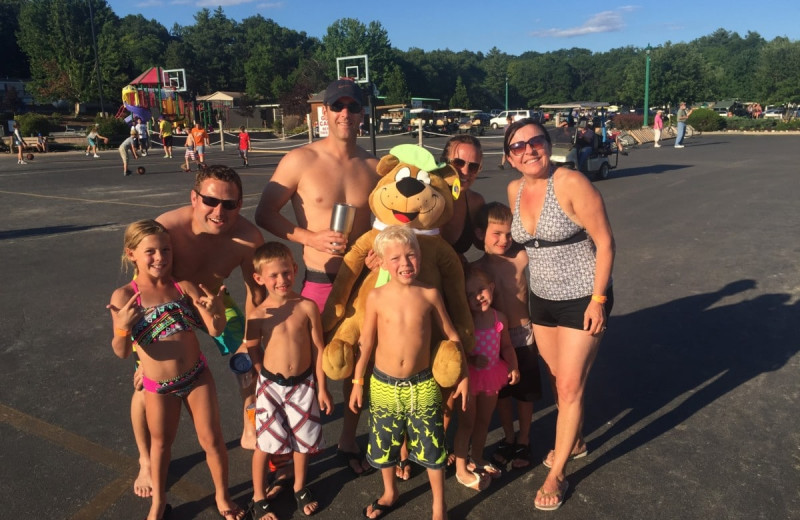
(773, 113)
(500, 120)
(721, 111)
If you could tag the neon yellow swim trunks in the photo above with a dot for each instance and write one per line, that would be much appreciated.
(401, 408)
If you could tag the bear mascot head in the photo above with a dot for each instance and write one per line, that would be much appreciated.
(413, 191)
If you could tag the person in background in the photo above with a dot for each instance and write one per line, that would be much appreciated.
(200, 138)
(658, 125)
(144, 137)
(509, 120)
(92, 138)
(165, 130)
(41, 143)
(683, 116)
(123, 151)
(244, 145)
(19, 142)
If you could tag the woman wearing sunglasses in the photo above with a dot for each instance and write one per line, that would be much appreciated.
(561, 220)
(464, 153)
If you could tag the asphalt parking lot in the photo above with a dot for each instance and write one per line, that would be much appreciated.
(691, 408)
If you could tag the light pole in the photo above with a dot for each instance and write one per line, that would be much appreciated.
(647, 86)
(506, 92)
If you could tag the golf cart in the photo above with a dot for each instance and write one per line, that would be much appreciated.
(572, 143)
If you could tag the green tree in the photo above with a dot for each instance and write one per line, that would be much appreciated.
(211, 53)
(396, 87)
(272, 54)
(460, 98)
(14, 63)
(495, 72)
(779, 70)
(349, 37)
(56, 35)
(143, 42)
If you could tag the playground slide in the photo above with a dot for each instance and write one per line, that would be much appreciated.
(139, 112)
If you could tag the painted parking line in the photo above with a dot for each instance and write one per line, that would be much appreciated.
(126, 466)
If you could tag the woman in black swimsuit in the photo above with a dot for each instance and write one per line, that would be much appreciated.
(464, 153)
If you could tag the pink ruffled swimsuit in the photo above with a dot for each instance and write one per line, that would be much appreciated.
(493, 376)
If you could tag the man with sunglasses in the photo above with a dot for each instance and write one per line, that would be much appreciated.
(314, 178)
(210, 239)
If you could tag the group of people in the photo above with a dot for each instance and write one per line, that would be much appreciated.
(137, 143)
(553, 238)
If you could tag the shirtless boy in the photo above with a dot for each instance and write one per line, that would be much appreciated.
(292, 388)
(506, 264)
(405, 401)
(210, 239)
(314, 178)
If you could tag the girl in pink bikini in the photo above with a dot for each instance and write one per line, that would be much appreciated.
(158, 316)
(492, 365)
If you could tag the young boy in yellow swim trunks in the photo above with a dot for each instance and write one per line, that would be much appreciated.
(405, 401)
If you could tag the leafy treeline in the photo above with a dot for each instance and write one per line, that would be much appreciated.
(50, 41)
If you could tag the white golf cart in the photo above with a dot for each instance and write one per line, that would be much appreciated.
(567, 143)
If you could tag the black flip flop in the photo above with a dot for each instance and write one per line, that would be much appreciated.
(384, 510)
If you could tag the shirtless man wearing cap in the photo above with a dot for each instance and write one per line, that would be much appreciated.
(314, 178)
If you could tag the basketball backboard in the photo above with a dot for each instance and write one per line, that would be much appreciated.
(355, 67)
(175, 78)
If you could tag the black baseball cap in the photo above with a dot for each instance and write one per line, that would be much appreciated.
(342, 88)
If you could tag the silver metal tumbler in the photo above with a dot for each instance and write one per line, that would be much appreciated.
(342, 218)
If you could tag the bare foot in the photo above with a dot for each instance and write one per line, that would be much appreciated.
(403, 470)
(383, 506)
(143, 485)
(579, 451)
(354, 459)
(228, 510)
(550, 496)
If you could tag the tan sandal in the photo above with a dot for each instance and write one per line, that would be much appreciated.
(547, 494)
(477, 484)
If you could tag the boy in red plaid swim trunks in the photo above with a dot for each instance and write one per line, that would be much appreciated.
(291, 387)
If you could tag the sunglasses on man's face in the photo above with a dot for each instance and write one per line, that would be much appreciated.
(354, 107)
(472, 167)
(539, 142)
(213, 202)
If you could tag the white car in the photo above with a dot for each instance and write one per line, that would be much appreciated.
(773, 113)
(502, 119)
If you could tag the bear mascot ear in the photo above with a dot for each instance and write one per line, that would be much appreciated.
(387, 164)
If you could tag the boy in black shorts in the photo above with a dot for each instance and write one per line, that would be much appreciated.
(507, 263)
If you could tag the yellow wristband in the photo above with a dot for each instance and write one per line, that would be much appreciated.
(359, 381)
(122, 333)
(599, 298)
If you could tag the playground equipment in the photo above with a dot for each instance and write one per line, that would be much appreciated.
(156, 92)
